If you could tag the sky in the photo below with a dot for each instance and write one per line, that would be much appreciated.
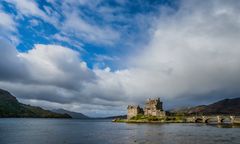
(98, 56)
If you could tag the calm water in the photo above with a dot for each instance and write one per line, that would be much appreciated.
(60, 131)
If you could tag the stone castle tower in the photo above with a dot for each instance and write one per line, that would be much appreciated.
(153, 107)
(133, 111)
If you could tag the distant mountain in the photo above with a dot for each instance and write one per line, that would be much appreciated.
(114, 117)
(226, 106)
(10, 107)
(74, 115)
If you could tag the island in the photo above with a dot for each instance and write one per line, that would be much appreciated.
(153, 113)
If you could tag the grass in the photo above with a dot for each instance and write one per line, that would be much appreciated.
(153, 119)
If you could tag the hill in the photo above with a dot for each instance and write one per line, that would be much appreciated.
(10, 107)
(74, 115)
(115, 117)
(226, 106)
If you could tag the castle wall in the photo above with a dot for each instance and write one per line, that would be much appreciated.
(134, 111)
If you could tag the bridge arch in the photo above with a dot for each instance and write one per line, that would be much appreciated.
(208, 120)
(198, 120)
(226, 120)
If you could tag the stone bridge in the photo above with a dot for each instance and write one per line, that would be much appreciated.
(214, 119)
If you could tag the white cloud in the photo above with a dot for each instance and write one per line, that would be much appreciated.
(73, 23)
(7, 22)
(28, 8)
(89, 32)
(101, 57)
(56, 75)
(8, 28)
(108, 26)
(57, 65)
(192, 54)
(64, 38)
(77, 24)
(34, 22)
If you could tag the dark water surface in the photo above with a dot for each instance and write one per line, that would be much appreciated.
(64, 131)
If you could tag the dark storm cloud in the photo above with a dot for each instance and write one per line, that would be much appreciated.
(12, 67)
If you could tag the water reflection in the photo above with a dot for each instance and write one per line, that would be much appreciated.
(54, 131)
(228, 125)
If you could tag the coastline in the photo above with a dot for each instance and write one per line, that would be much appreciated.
(149, 121)
(172, 120)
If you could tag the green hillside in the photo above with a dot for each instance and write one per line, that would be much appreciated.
(10, 107)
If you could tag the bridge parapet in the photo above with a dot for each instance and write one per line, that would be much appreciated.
(214, 118)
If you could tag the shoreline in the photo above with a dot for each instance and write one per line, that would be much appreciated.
(170, 121)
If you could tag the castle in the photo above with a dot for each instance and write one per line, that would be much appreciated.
(153, 107)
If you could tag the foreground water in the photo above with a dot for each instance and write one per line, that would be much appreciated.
(64, 131)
